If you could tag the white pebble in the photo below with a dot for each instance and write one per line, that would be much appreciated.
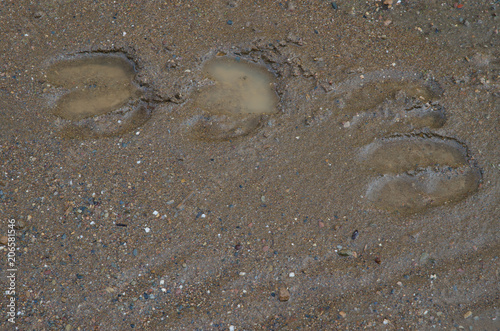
(292, 274)
(155, 213)
(147, 230)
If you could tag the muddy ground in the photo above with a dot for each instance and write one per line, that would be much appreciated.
(367, 200)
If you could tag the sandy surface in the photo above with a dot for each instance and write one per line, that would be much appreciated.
(369, 200)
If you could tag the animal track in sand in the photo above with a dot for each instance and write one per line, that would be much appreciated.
(415, 171)
(233, 105)
(418, 172)
(101, 98)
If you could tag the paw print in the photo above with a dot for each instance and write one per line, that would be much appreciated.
(416, 172)
(100, 97)
(237, 97)
(412, 171)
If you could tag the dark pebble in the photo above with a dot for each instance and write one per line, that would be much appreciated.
(238, 247)
(334, 5)
(378, 260)
(355, 235)
(229, 22)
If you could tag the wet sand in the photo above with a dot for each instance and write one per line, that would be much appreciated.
(367, 199)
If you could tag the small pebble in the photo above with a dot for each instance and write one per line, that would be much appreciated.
(468, 314)
(347, 252)
(284, 295)
(4, 240)
(21, 224)
(229, 22)
(355, 235)
(343, 314)
(292, 274)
